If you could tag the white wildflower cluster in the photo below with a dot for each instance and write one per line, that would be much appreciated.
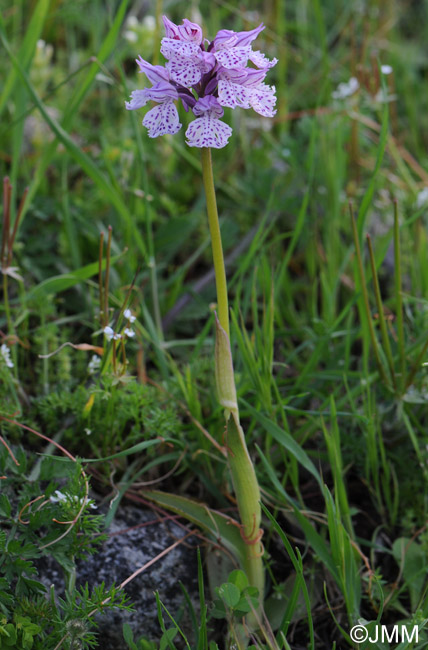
(59, 497)
(347, 89)
(5, 353)
(128, 332)
(136, 30)
(94, 364)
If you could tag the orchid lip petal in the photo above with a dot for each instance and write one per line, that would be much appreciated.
(208, 131)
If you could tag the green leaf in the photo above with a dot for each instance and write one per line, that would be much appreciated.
(411, 558)
(287, 441)
(229, 593)
(26, 51)
(167, 638)
(383, 139)
(219, 610)
(225, 530)
(128, 636)
(5, 507)
(10, 635)
(239, 579)
(63, 282)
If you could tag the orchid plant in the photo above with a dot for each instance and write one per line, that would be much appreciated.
(207, 76)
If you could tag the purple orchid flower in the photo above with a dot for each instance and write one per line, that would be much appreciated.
(205, 76)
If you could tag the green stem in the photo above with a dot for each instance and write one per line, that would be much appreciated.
(382, 323)
(242, 470)
(399, 299)
(366, 302)
(217, 248)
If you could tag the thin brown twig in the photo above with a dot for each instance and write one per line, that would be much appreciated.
(3, 441)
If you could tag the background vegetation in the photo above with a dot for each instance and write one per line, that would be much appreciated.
(329, 344)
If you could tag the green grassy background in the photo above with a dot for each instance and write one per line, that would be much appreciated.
(332, 386)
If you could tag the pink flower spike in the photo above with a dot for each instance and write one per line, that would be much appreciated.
(162, 119)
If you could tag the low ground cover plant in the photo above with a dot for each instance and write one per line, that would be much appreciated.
(273, 396)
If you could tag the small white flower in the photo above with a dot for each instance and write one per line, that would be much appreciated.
(108, 331)
(94, 364)
(89, 503)
(384, 98)
(116, 337)
(149, 23)
(5, 352)
(132, 21)
(88, 431)
(59, 497)
(128, 332)
(421, 200)
(386, 69)
(128, 314)
(346, 89)
(131, 37)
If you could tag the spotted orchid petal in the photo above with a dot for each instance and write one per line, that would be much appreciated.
(263, 100)
(159, 93)
(234, 57)
(234, 86)
(208, 131)
(232, 94)
(185, 61)
(171, 48)
(162, 119)
(261, 61)
(184, 72)
(138, 100)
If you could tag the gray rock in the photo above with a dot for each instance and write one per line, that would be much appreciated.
(135, 538)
